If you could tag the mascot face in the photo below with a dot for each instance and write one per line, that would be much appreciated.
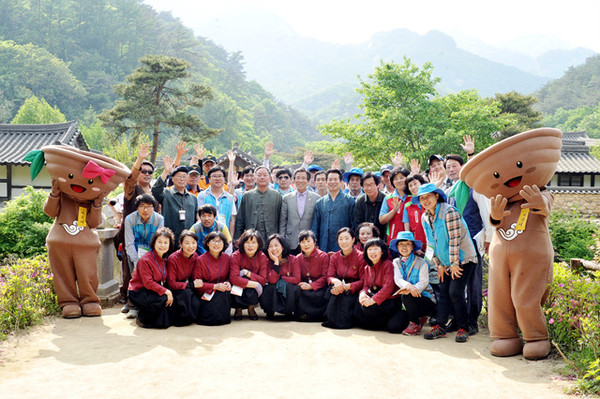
(524, 159)
(83, 175)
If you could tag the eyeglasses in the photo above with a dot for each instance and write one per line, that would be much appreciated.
(146, 172)
(146, 207)
(284, 178)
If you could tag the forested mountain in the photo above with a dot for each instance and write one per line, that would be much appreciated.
(578, 87)
(319, 77)
(72, 52)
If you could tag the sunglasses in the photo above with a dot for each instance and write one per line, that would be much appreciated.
(146, 172)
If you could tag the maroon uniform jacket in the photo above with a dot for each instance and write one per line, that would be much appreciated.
(150, 273)
(314, 268)
(257, 266)
(349, 268)
(212, 271)
(380, 276)
(180, 269)
(289, 271)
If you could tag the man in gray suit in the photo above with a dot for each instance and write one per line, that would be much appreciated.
(297, 210)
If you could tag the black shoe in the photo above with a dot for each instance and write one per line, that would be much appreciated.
(433, 321)
(270, 316)
(252, 313)
(473, 329)
(238, 314)
(452, 326)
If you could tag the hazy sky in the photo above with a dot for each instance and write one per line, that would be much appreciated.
(353, 21)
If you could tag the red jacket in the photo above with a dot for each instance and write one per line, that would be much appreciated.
(257, 266)
(288, 270)
(180, 269)
(314, 268)
(212, 271)
(150, 272)
(348, 268)
(380, 276)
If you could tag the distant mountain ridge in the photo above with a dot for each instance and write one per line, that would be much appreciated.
(313, 75)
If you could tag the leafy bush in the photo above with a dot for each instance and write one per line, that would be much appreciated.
(26, 293)
(573, 314)
(24, 225)
(572, 236)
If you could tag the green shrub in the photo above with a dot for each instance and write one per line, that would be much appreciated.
(26, 293)
(24, 225)
(573, 314)
(572, 236)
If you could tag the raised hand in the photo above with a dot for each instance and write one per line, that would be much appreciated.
(168, 162)
(468, 144)
(269, 150)
(497, 207)
(397, 158)
(231, 156)
(144, 151)
(181, 150)
(335, 164)
(533, 196)
(200, 150)
(309, 157)
(437, 178)
(348, 159)
(415, 166)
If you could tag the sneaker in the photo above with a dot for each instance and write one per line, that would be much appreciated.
(473, 329)
(412, 329)
(462, 335)
(125, 309)
(132, 314)
(436, 332)
(422, 321)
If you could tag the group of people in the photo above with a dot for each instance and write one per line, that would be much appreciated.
(383, 250)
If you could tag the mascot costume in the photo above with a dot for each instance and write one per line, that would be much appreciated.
(513, 174)
(80, 181)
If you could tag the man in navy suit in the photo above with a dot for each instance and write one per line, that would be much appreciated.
(297, 210)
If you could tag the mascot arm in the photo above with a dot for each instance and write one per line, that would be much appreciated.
(538, 201)
(498, 209)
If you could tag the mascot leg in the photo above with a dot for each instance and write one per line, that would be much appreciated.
(530, 285)
(63, 269)
(87, 280)
(501, 312)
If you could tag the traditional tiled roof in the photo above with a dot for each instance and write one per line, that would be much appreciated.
(574, 190)
(576, 157)
(246, 157)
(18, 140)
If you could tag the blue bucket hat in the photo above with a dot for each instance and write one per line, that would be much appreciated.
(314, 167)
(426, 189)
(405, 236)
(353, 171)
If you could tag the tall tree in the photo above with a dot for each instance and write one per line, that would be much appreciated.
(155, 97)
(36, 111)
(521, 108)
(402, 112)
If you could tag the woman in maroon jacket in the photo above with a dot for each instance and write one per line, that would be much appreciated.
(345, 273)
(314, 264)
(376, 306)
(180, 265)
(147, 289)
(283, 275)
(248, 271)
(212, 268)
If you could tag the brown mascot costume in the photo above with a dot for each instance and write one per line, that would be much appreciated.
(513, 174)
(80, 181)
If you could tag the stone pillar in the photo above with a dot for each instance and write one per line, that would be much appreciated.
(108, 286)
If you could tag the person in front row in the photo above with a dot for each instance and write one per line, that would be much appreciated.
(283, 275)
(314, 264)
(147, 289)
(346, 268)
(411, 275)
(248, 274)
(376, 308)
(180, 267)
(212, 267)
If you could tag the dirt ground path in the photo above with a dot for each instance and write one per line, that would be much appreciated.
(111, 357)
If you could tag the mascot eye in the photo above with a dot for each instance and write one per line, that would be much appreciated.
(70, 175)
(496, 175)
(519, 164)
(91, 181)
